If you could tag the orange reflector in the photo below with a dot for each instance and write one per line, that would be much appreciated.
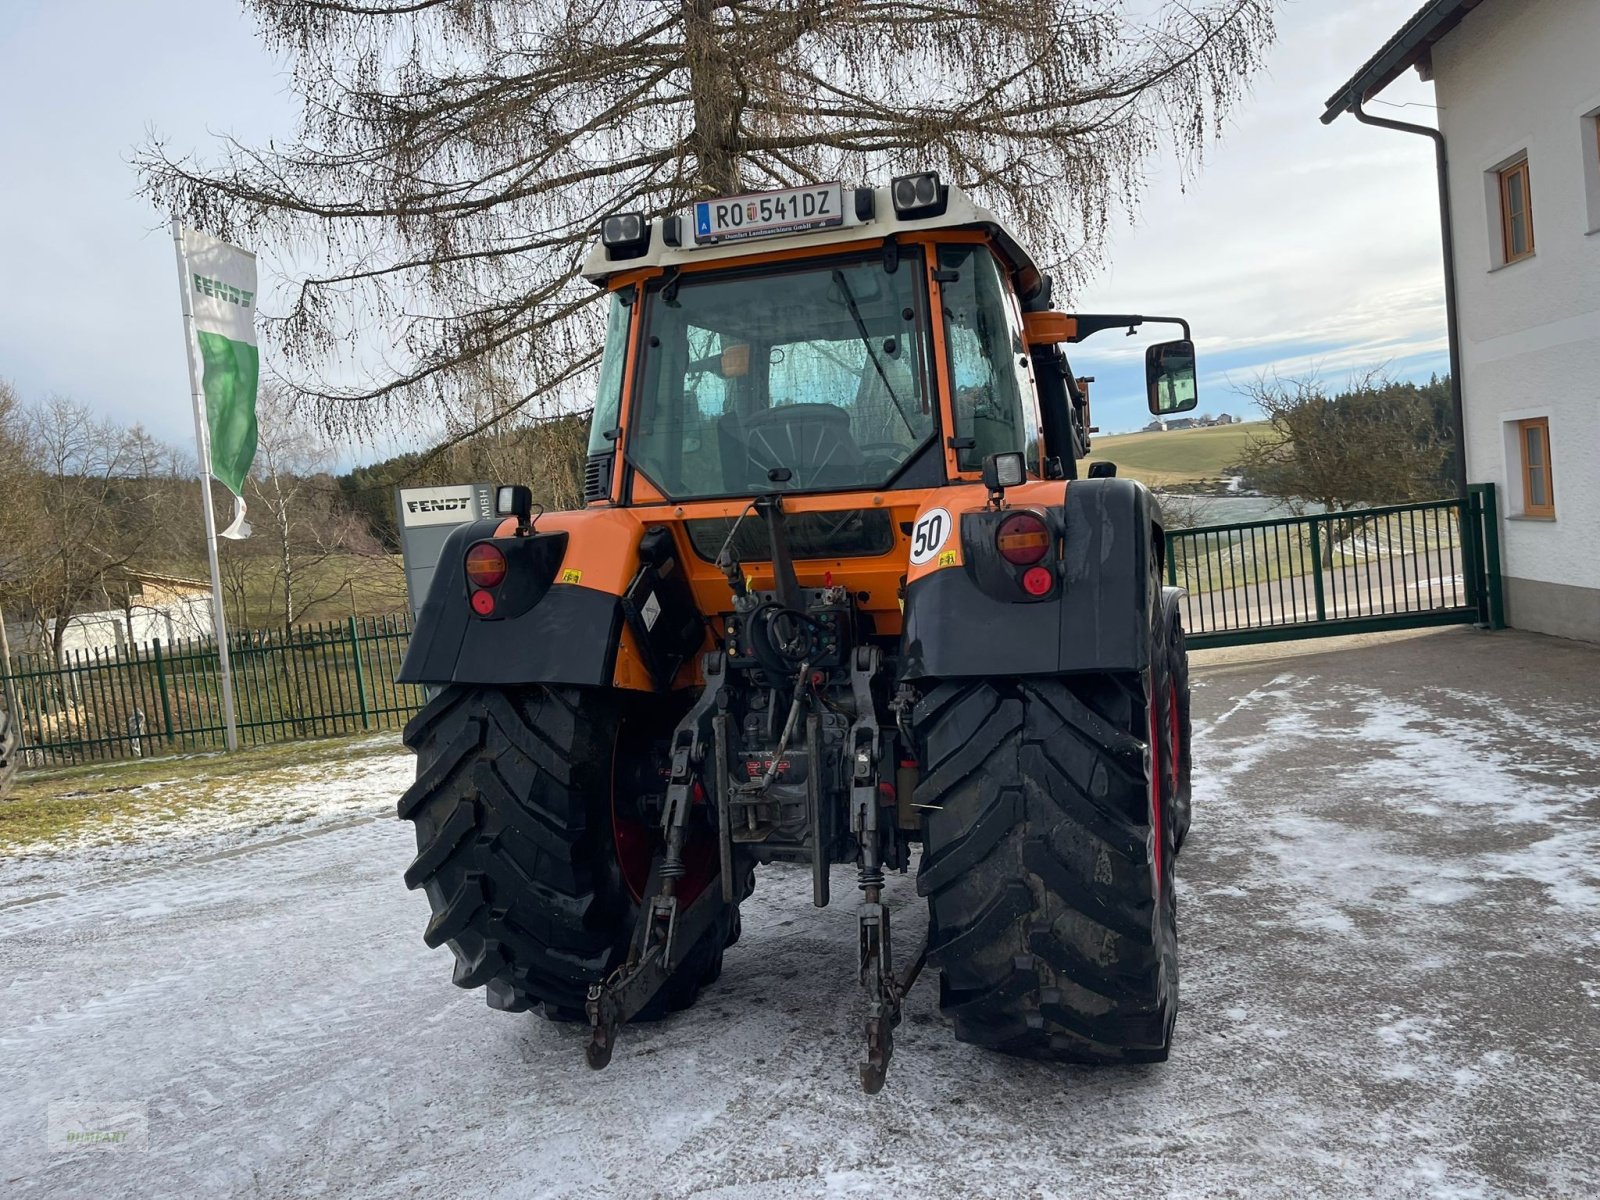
(1022, 539)
(486, 566)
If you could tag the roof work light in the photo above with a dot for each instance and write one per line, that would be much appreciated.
(920, 195)
(625, 235)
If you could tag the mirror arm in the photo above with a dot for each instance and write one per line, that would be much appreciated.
(1093, 323)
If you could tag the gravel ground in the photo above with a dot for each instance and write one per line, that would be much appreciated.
(1391, 987)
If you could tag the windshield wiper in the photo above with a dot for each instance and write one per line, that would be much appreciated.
(866, 340)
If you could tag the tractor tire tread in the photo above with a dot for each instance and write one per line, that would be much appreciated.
(1045, 919)
(515, 854)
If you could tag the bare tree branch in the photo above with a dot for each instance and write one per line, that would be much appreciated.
(454, 156)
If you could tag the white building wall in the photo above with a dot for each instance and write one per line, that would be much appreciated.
(173, 620)
(1515, 76)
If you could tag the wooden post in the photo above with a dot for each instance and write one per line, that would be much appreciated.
(5, 674)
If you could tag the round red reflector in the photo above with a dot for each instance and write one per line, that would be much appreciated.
(1036, 581)
(486, 566)
(483, 603)
(1022, 539)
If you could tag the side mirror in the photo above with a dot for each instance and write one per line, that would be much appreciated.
(1169, 377)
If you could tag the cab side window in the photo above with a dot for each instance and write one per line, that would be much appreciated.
(984, 340)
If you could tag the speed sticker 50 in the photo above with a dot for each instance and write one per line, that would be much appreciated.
(929, 535)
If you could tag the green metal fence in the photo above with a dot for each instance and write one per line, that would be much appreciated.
(1395, 567)
(156, 698)
(1400, 566)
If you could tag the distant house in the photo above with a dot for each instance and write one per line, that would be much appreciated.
(168, 607)
(1224, 419)
(1519, 114)
(1183, 423)
(1157, 426)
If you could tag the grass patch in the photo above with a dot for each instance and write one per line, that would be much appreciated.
(110, 803)
(354, 586)
(1179, 456)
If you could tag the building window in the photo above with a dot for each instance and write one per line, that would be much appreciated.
(1516, 212)
(1538, 488)
(1591, 168)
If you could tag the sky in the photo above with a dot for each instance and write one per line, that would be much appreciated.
(1297, 248)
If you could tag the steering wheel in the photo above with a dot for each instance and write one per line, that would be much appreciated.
(808, 440)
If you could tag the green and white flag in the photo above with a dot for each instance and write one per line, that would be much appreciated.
(219, 290)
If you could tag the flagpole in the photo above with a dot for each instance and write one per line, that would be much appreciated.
(202, 438)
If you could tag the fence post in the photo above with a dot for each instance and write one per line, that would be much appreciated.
(1316, 571)
(1473, 572)
(1465, 518)
(10, 691)
(361, 679)
(1489, 540)
(161, 682)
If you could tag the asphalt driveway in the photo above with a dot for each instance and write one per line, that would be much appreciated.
(1390, 922)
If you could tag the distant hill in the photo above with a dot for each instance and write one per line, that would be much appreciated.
(1179, 456)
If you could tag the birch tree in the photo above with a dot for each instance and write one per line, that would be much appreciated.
(307, 548)
(95, 495)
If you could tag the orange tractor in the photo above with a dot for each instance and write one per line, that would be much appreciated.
(838, 592)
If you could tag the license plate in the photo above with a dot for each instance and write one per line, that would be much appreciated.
(763, 214)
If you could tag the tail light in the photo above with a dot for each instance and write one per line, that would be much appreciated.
(486, 566)
(1022, 539)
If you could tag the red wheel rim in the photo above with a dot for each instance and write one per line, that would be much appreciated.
(637, 842)
(1173, 732)
(1157, 831)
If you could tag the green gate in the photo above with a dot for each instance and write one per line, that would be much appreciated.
(1402, 566)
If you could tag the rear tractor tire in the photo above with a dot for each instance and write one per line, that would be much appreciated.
(1048, 863)
(517, 849)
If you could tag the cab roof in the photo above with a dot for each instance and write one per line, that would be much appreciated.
(960, 212)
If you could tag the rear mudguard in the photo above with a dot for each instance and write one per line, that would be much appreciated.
(967, 613)
(581, 589)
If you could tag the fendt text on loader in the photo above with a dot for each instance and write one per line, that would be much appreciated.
(838, 590)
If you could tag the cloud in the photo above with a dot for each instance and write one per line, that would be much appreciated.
(1300, 247)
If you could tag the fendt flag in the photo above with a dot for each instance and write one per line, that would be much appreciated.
(219, 283)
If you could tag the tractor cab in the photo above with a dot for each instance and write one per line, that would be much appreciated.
(828, 339)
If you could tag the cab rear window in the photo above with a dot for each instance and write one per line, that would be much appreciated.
(815, 378)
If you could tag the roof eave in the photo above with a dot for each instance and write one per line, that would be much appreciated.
(1411, 45)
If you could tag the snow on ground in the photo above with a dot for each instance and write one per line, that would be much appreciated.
(193, 817)
(1391, 989)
